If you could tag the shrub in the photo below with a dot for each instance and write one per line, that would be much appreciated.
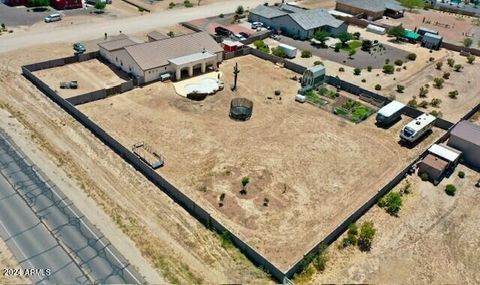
(436, 113)
(366, 45)
(398, 62)
(393, 203)
(438, 83)
(351, 238)
(412, 56)
(171, 5)
(424, 176)
(413, 103)
(451, 62)
(435, 102)
(365, 239)
(337, 48)
(306, 54)
(364, 80)
(318, 62)
(320, 260)
(400, 88)
(458, 67)
(265, 202)
(461, 174)
(245, 181)
(467, 42)
(422, 93)
(278, 51)
(378, 87)
(369, 68)
(221, 15)
(450, 190)
(357, 71)
(356, 35)
(446, 75)
(187, 4)
(388, 69)
(171, 34)
(453, 94)
(387, 61)
(423, 104)
(341, 69)
(439, 65)
(470, 59)
(431, 59)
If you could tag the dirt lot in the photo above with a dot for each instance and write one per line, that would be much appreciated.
(153, 232)
(91, 75)
(312, 4)
(453, 27)
(435, 239)
(289, 151)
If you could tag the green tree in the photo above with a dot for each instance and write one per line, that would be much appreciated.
(439, 65)
(240, 10)
(453, 94)
(321, 36)
(306, 54)
(438, 82)
(320, 260)
(400, 88)
(99, 5)
(393, 202)
(450, 190)
(467, 42)
(396, 32)
(365, 238)
(344, 38)
(388, 69)
(412, 4)
(451, 62)
(458, 67)
(357, 71)
(40, 3)
(366, 45)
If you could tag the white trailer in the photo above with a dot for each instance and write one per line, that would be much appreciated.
(376, 29)
(417, 128)
(389, 113)
(289, 50)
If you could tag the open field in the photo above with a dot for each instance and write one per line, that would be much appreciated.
(434, 240)
(314, 168)
(91, 75)
(453, 27)
(162, 240)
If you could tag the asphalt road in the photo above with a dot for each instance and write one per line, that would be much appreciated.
(91, 31)
(44, 231)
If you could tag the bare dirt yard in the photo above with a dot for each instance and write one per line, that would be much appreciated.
(435, 239)
(157, 236)
(308, 169)
(453, 27)
(91, 75)
(312, 4)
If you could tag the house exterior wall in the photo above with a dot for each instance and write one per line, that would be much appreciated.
(124, 61)
(154, 74)
(434, 174)
(355, 11)
(336, 31)
(471, 152)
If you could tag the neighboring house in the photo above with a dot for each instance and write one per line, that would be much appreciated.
(148, 61)
(465, 137)
(371, 9)
(66, 4)
(296, 22)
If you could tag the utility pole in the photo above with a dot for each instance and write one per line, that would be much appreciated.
(236, 71)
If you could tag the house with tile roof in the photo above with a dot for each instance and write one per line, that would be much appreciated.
(297, 22)
(176, 56)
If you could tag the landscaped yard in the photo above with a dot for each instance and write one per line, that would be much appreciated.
(351, 45)
(353, 111)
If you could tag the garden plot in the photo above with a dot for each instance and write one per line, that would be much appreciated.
(307, 169)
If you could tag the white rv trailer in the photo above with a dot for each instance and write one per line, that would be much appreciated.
(289, 50)
(389, 113)
(376, 29)
(417, 128)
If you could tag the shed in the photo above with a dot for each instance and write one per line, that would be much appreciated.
(465, 136)
(434, 167)
(422, 31)
(410, 36)
(314, 76)
(229, 45)
(452, 156)
(431, 41)
(376, 29)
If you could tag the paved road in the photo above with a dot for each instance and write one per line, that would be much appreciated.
(45, 231)
(90, 31)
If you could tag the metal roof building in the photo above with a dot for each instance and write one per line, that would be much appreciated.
(297, 22)
(371, 9)
(465, 136)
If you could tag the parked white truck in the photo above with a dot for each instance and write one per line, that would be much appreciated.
(417, 128)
